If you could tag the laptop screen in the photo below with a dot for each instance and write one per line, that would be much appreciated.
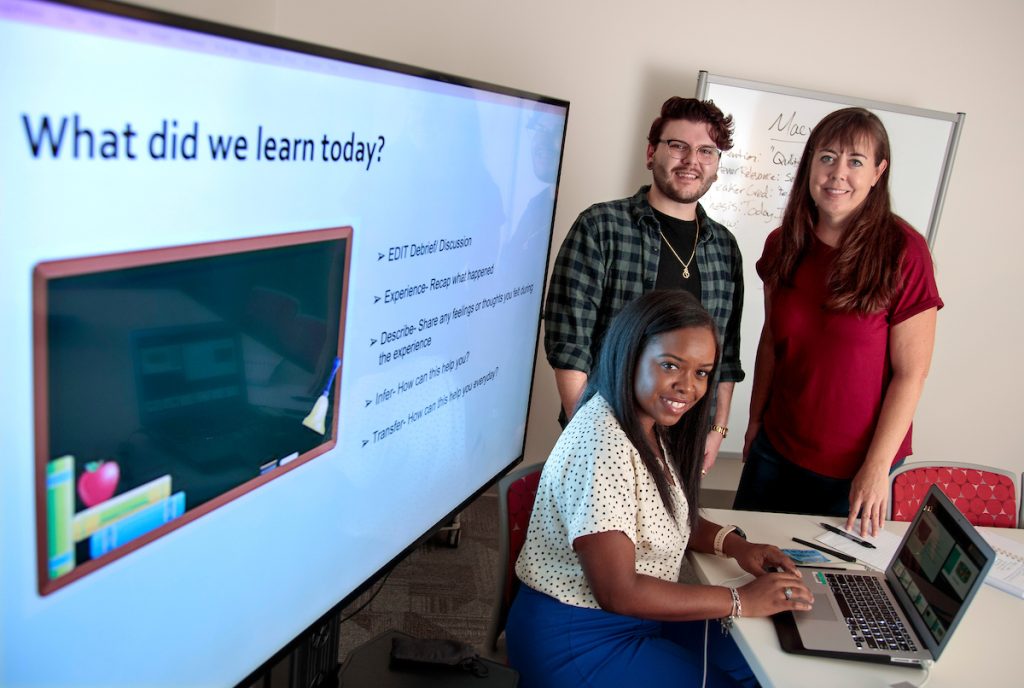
(938, 568)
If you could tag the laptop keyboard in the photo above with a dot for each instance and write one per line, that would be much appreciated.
(869, 614)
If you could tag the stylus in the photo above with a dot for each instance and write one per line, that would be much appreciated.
(826, 550)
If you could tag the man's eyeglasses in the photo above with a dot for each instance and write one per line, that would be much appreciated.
(680, 150)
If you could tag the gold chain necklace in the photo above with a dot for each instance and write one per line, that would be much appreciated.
(684, 263)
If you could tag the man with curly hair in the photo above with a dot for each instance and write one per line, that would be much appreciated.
(660, 238)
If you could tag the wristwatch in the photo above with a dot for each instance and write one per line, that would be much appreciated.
(719, 542)
(721, 429)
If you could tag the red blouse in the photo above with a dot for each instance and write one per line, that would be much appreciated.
(832, 369)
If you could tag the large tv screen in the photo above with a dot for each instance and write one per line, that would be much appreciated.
(270, 316)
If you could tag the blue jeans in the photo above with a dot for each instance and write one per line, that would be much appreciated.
(556, 645)
(770, 482)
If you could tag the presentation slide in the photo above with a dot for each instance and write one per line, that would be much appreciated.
(120, 136)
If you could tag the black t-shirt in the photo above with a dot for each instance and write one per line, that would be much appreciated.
(680, 235)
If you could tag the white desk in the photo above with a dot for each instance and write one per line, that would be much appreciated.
(986, 648)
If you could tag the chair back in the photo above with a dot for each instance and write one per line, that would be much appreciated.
(986, 495)
(516, 492)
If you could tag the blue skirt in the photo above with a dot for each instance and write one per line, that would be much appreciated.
(556, 645)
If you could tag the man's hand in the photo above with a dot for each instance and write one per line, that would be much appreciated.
(711, 446)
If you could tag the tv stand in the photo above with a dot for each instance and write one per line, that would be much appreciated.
(311, 663)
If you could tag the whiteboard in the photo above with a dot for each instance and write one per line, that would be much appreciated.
(755, 178)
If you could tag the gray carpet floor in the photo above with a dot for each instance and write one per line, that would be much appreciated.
(437, 591)
(447, 592)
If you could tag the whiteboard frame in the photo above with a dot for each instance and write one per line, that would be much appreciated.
(705, 79)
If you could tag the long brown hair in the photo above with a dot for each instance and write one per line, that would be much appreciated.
(865, 274)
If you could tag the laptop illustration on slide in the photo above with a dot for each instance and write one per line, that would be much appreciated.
(905, 615)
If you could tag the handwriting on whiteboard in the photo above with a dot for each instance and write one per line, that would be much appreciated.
(754, 183)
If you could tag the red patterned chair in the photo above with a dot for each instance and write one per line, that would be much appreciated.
(987, 496)
(516, 492)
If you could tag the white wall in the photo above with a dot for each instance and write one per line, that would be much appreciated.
(616, 62)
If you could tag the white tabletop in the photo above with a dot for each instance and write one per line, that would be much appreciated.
(985, 650)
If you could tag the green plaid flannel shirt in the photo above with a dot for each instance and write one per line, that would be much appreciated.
(610, 257)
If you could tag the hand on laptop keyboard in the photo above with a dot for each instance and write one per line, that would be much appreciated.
(772, 593)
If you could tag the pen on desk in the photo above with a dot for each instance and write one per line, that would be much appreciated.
(848, 536)
(826, 550)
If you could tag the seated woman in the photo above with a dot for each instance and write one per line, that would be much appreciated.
(616, 508)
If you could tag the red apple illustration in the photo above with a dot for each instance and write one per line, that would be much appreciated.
(99, 482)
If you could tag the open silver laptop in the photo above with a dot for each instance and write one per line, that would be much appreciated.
(938, 568)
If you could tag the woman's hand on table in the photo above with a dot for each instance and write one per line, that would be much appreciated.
(869, 499)
(758, 559)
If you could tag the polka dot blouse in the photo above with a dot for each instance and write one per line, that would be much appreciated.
(595, 482)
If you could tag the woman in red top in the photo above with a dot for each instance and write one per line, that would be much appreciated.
(850, 307)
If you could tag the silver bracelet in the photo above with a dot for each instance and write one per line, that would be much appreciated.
(735, 613)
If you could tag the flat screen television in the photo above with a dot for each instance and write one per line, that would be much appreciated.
(270, 317)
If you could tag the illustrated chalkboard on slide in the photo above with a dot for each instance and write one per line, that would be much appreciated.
(755, 178)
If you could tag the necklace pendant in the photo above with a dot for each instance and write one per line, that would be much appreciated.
(686, 272)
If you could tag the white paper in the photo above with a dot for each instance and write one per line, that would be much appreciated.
(885, 544)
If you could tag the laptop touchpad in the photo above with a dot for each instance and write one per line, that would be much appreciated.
(821, 611)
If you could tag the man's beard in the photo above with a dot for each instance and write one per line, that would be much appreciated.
(665, 187)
